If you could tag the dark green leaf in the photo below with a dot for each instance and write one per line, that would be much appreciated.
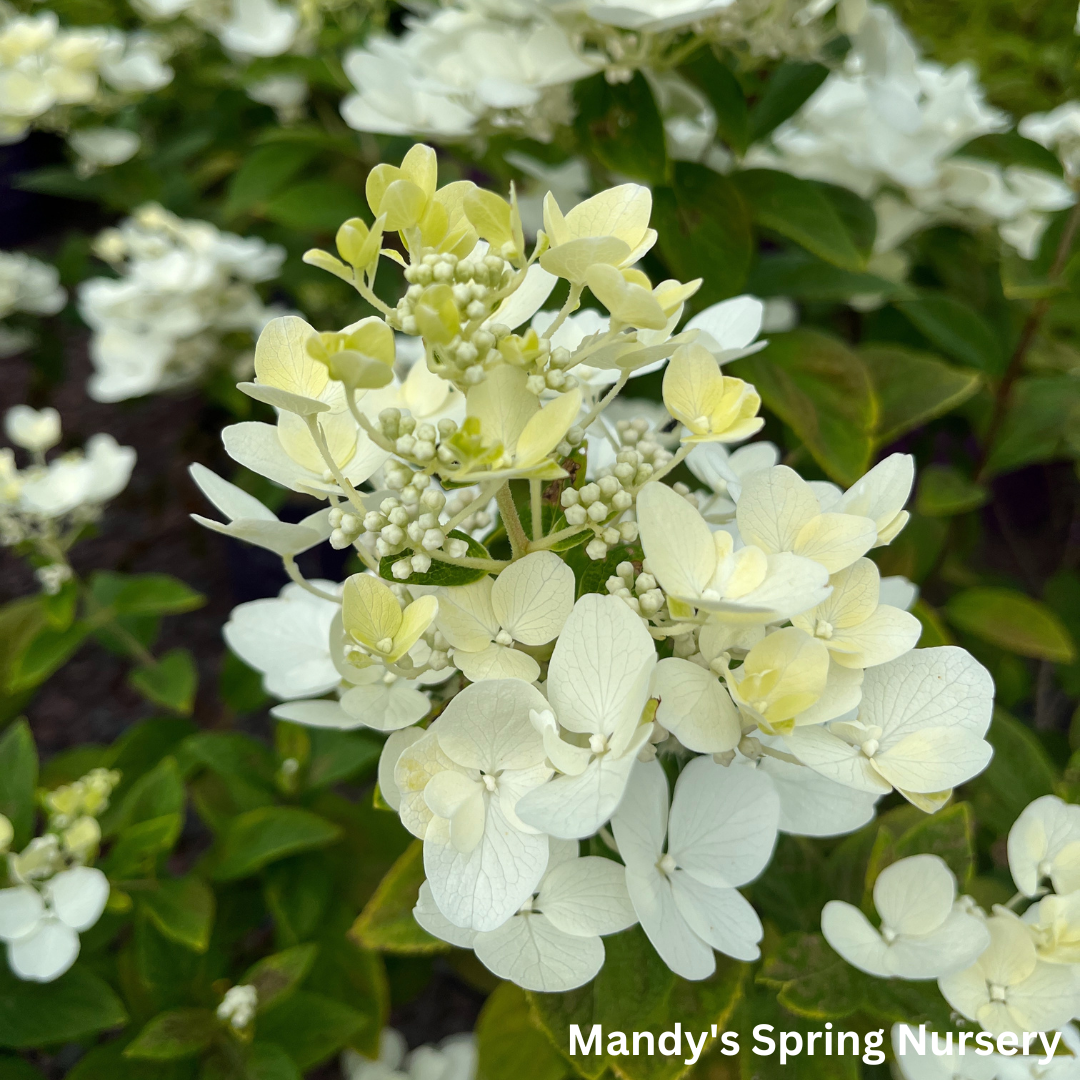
(182, 909)
(20, 622)
(1041, 423)
(800, 275)
(297, 892)
(340, 755)
(1019, 772)
(621, 125)
(315, 206)
(309, 1027)
(277, 976)
(170, 682)
(950, 834)
(266, 170)
(508, 1042)
(240, 687)
(387, 922)
(945, 491)
(440, 573)
(913, 388)
(174, 1034)
(822, 390)
(791, 85)
(157, 792)
(47, 652)
(14, 1068)
(718, 83)
(811, 980)
(261, 836)
(957, 330)
(18, 781)
(39, 1014)
(1011, 621)
(856, 213)
(267, 1061)
(138, 847)
(1011, 148)
(704, 231)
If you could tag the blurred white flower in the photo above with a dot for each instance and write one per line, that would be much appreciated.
(452, 1059)
(103, 146)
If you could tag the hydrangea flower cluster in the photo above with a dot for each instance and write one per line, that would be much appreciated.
(1005, 971)
(46, 505)
(888, 125)
(453, 1059)
(46, 71)
(30, 286)
(183, 301)
(53, 893)
(738, 639)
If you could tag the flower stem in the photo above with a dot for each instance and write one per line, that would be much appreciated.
(294, 572)
(519, 542)
(536, 508)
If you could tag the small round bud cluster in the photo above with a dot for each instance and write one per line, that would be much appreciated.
(53, 577)
(476, 523)
(88, 795)
(474, 284)
(598, 505)
(346, 527)
(411, 440)
(237, 1008)
(638, 589)
(638, 435)
(411, 520)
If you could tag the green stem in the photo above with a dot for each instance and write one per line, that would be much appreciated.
(677, 460)
(519, 542)
(606, 400)
(536, 508)
(294, 572)
(552, 539)
(573, 302)
(486, 491)
(320, 443)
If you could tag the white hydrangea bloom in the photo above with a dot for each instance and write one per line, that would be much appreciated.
(102, 147)
(553, 943)
(182, 285)
(720, 834)
(527, 603)
(723, 472)
(33, 430)
(26, 285)
(1009, 988)
(1044, 843)
(1055, 925)
(453, 1059)
(919, 728)
(41, 926)
(924, 932)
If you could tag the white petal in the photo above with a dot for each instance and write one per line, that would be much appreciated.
(256, 445)
(835, 540)
(572, 807)
(496, 662)
(885, 635)
(448, 791)
(882, 492)
(232, 501)
(46, 953)
(78, 896)
(466, 618)
(677, 542)
(391, 751)
(915, 895)
(1047, 1000)
(679, 947)
(527, 299)
(1044, 828)
(842, 694)
(722, 917)
(928, 688)
(586, 896)
(277, 536)
(481, 889)
(850, 933)
(386, 706)
(933, 759)
(898, 592)
(428, 915)
(811, 805)
(640, 826)
(530, 951)
(487, 726)
(835, 759)
(20, 910)
(953, 946)
(730, 324)
(792, 584)
(774, 506)
(723, 823)
(533, 597)
(695, 707)
(321, 713)
(599, 673)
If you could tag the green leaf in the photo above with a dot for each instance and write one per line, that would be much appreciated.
(622, 126)
(174, 1034)
(1019, 772)
(508, 1042)
(1011, 621)
(913, 388)
(791, 85)
(1011, 148)
(340, 755)
(298, 892)
(957, 330)
(20, 622)
(802, 276)
(315, 206)
(636, 991)
(440, 573)
(60, 608)
(267, 1061)
(950, 834)
(71, 1007)
(1041, 423)
(15, 1068)
(171, 682)
(262, 836)
(945, 491)
(46, 653)
(934, 630)
(387, 922)
(822, 390)
(310, 1027)
(799, 210)
(240, 687)
(138, 847)
(725, 94)
(276, 977)
(156, 594)
(811, 980)
(858, 216)
(704, 231)
(266, 170)
(182, 909)
(592, 574)
(107, 1062)
(18, 781)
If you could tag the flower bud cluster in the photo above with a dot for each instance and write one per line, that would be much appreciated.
(638, 588)
(598, 505)
(447, 301)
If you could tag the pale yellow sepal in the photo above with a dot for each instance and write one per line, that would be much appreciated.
(372, 616)
(713, 407)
